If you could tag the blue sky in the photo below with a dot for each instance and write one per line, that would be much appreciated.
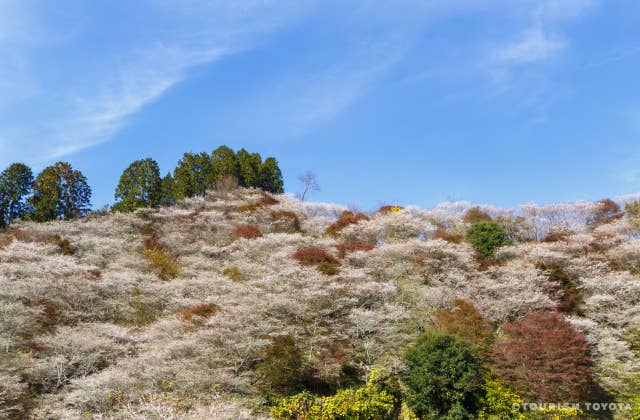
(411, 102)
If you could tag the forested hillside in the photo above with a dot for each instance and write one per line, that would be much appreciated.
(243, 304)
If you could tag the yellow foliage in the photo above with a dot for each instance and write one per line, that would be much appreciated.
(369, 402)
(164, 265)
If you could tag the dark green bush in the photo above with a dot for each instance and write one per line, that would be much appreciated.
(443, 377)
(281, 370)
(487, 237)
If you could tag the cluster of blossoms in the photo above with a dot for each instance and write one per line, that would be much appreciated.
(99, 331)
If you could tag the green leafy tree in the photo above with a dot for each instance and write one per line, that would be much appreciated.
(281, 370)
(487, 237)
(15, 185)
(60, 192)
(166, 191)
(443, 377)
(224, 164)
(249, 165)
(139, 186)
(271, 176)
(193, 175)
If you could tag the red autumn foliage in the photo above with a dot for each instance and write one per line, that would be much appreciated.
(152, 242)
(314, 255)
(346, 218)
(346, 247)
(555, 236)
(246, 231)
(202, 311)
(606, 212)
(563, 285)
(443, 234)
(544, 358)
(264, 201)
(64, 246)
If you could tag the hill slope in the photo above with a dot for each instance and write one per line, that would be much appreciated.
(168, 312)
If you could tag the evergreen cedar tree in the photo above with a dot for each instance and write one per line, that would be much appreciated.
(139, 186)
(167, 197)
(443, 377)
(192, 176)
(196, 173)
(544, 358)
(15, 186)
(224, 164)
(60, 192)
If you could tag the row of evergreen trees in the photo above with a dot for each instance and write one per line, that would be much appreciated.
(141, 185)
(61, 192)
(58, 192)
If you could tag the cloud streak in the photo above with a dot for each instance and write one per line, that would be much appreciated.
(88, 90)
(71, 112)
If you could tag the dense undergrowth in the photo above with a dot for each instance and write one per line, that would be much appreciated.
(246, 305)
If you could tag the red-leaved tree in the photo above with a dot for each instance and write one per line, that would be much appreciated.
(545, 358)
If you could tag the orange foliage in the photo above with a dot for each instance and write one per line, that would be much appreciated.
(443, 234)
(346, 218)
(464, 320)
(346, 247)
(475, 215)
(202, 311)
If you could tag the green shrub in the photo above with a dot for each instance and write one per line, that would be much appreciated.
(281, 370)
(487, 237)
(160, 259)
(327, 268)
(233, 273)
(285, 221)
(632, 209)
(378, 399)
(635, 409)
(145, 311)
(442, 377)
(163, 264)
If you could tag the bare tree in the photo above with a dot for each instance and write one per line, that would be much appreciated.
(309, 182)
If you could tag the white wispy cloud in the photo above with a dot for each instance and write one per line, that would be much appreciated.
(540, 38)
(88, 93)
(88, 106)
(534, 45)
(303, 101)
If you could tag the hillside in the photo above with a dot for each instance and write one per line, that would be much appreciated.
(170, 312)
